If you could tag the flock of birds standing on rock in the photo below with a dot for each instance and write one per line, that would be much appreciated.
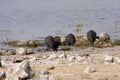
(52, 43)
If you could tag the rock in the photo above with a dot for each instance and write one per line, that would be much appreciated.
(19, 71)
(21, 51)
(104, 37)
(63, 56)
(2, 74)
(116, 59)
(10, 52)
(86, 55)
(52, 56)
(21, 43)
(109, 59)
(29, 51)
(3, 52)
(107, 45)
(44, 56)
(31, 42)
(89, 69)
(6, 63)
(44, 72)
(62, 38)
(33, 59)
(44, 77)
(51, 78)
(18, 60)
(71, 58)
(80, 59)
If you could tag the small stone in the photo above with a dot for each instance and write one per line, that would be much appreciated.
(104, 36)
(29, 51)
(89, 69)
(80, 59)
(21, 51)
(86, 55)
(116, 59)
(3, 51)
(10, 52)
(51, 78)
(52, 56)
(31, 42)
(44, 56)
(63, 56)
(44, 72)
(32, 59)
(21, 43)
(2, 74)
(109, 59)
(18, 60)
(44, 77)
(71, 58)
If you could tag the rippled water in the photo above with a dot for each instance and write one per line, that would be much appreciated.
(31, 19)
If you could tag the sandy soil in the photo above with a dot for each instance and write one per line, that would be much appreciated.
(63, 69)
(73, 71)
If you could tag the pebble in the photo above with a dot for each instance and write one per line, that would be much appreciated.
(109, 59)
(2, 74)
(21, 51)
(71, 58)
(52, 56)
(89, 69)
(64, 56)
(44, 72)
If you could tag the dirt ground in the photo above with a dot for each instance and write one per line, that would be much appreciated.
(76, 71)
(63, 69)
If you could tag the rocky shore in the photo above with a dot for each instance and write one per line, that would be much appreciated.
(28, 61)
(81, 64)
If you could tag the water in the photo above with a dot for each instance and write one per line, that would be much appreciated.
(31, 19)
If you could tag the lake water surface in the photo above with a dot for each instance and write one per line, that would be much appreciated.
(31, 19)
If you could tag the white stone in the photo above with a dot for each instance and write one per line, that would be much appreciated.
(21, 43)
(44, 72)
(63, 56)
(89, 69)
(80, 59)
(109, 59)
(71, 58)
(104, 36)
(21, 70)
(21, 51)
(2, 74)
(29, 51)
(52, 56)
(116, 59)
